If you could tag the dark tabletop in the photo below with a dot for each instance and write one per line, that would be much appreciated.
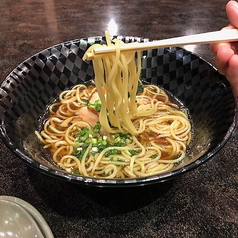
(201, 203)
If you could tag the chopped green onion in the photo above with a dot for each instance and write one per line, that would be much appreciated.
(96, 105)
(86, 137)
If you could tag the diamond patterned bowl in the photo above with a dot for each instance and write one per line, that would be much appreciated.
(29, 89)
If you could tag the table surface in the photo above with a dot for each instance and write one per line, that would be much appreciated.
(201, 203)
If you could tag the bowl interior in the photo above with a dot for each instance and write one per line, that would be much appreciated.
(29, 89)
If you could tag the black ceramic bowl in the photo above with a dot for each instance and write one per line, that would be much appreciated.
(28, 90)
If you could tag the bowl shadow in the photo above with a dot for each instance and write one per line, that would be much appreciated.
(90, 201)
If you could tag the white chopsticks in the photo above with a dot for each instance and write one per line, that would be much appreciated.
(203, 38)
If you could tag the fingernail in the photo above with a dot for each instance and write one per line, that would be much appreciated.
(235, 3)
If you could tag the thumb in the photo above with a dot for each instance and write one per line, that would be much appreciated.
(232, 12)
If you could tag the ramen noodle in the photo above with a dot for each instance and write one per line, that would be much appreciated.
(116, 127)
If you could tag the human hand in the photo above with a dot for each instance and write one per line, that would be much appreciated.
(226, 54)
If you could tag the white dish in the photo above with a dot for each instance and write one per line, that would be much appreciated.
(19, 219)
